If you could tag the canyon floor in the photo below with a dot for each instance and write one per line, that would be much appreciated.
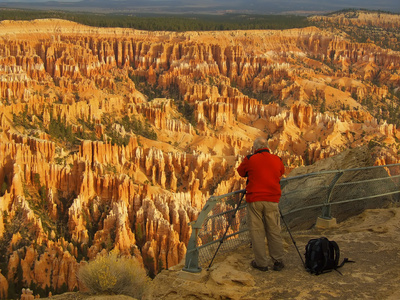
(370, 239)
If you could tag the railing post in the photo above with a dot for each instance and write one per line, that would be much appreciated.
(326, 220)
(326, 209)
(192, 253)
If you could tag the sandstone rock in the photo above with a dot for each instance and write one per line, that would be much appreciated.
(65, 93)
(27, 294)
(3, 287)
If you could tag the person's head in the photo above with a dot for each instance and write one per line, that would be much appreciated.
(260, 143)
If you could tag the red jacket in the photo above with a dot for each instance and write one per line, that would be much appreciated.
(263, 171)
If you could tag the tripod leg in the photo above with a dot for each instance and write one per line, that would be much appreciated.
(226, 231)
(294, 242)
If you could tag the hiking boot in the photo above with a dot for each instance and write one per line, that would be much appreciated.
(254, 265)
(278, 266)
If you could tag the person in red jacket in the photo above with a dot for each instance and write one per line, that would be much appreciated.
(263, 192)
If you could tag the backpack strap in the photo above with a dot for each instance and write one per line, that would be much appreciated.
(337, 253)
(325, 250)
(259, 151)
(345, 260)
(313, 256)
(337, 256)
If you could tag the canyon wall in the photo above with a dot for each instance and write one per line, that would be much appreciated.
(116, 138)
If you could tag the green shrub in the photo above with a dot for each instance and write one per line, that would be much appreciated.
(113, 274)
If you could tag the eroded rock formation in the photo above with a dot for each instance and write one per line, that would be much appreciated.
(115, 138)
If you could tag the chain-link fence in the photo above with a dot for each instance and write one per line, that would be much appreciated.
(224, 228)
(339, 193)
(221, 225)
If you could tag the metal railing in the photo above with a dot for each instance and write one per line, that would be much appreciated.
(343, 193)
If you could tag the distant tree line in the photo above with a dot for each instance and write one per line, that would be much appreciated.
(156, 22)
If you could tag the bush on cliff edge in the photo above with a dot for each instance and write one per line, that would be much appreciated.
(113, 274)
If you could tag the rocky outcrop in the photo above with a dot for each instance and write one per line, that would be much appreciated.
(362, 18)
(367, 26)
(4, 287)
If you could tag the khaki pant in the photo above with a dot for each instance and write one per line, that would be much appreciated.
(264, 221)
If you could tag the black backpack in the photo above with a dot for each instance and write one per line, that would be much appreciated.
(322, 255)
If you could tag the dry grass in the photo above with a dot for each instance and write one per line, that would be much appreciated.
(113, 274)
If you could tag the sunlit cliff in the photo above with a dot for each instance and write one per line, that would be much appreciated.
(115, 138)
